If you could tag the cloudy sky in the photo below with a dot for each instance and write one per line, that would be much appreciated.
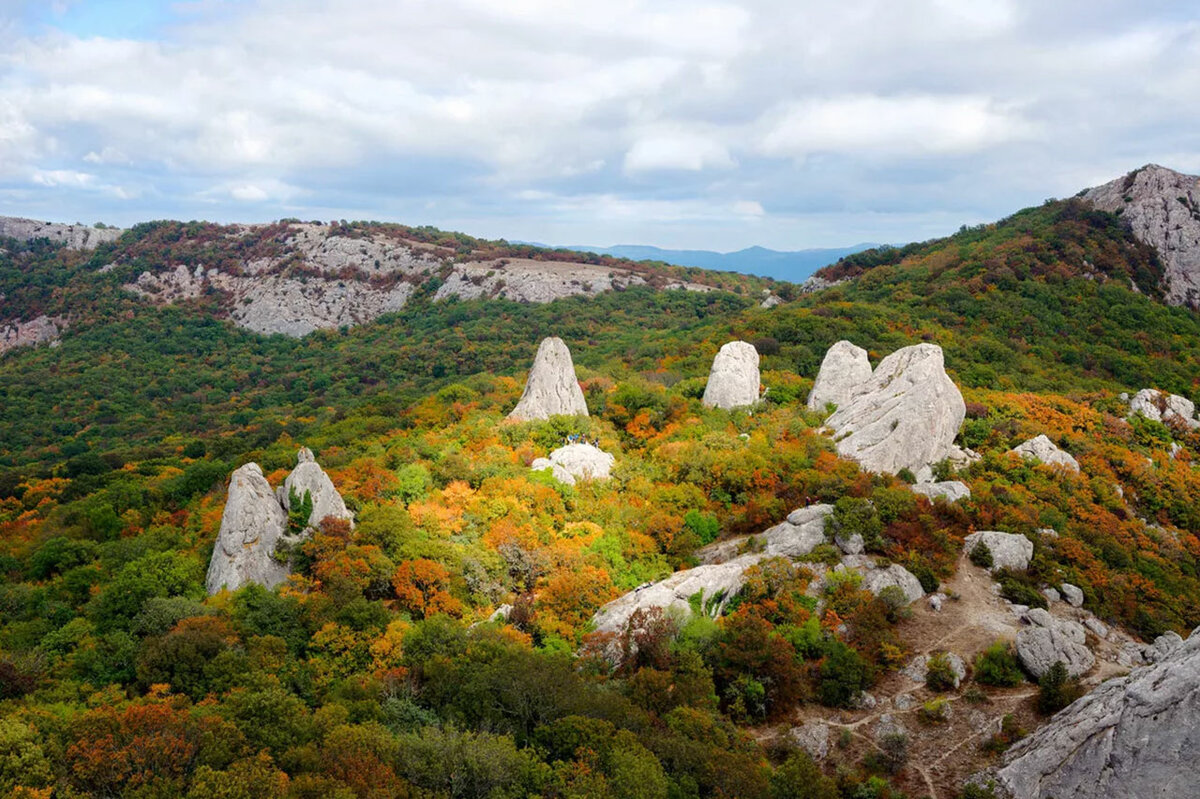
(705, 124)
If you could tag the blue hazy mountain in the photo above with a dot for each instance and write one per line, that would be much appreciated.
(794, 265)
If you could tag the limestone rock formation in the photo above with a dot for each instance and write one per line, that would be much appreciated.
(251, 526)
(309, 477)
(812, 736)
(733, 381)
(1162, 647)
(552, 388)
(795, 537)
(876, 580)
(1133, 736)
(1159, 406)
(949, 490)
(39, 330)
(1162, 208)
(1009, 550)
(577, 462)
(1073, 594)
(844, 370)
(905, 416)
(76, 237)
(1048, 639)
(1041, 448)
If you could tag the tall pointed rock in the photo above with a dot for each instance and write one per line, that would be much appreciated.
(309, 477)
(733, 381)
(552, 388)
(844, 370)
(251, 527)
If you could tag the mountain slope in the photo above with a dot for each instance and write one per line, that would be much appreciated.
(795, 265)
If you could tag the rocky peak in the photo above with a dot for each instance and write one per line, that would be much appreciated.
(733, 381)
(844, 370)
(308, 477)
(251, 526)
(1162, 207)
(552, 388)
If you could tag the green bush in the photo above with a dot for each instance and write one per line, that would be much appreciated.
(1056, 689)
(939, 674)
(981, 555)
(997, 665)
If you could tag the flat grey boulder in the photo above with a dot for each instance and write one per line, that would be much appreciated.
(1009, 550)
(904, 417)
(844, 370)
(734, 380)
(1133, 736)
(1043, 449)
(251, 526)
(794, 537)
(309, 477)
(812, 736)
(577, 462)
(552, 388)
(949, 490)
(1166, 408)
(1048, 639)
(1073, 594)
(876, 580)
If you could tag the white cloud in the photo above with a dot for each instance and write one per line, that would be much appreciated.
(676, 150)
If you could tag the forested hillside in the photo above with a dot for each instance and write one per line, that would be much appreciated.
(375, 671)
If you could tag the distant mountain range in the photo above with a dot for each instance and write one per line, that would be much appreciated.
(794, 265)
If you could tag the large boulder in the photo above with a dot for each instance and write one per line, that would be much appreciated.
(905, 416)
(733, 381)
(876, 580)
(1009, 550)
(1133, 736)
(552, 388)
(251, 526)
(949, 490)
(795, 537)
(1048, 639)
(577, 462)
(844, 370)
(1166, 408)
(1043, 449)
(308, 477)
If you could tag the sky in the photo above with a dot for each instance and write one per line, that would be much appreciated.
(700, 124)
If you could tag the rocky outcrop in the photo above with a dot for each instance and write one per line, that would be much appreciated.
(1159, 406)
(876, 580)
(251, 527)
(795, 537)
(812, 737)
(949, 490)
(308, 477)
(1049, 639)
(577, 462)
(1043, 449)
(844, 370)
(1133, 736)
(733, 381)
(904, 417)
(76, 237)
(1009, 550)
(39, 330)
(1073, 594)
(552, 388)
(1162, 647)
(1162, 208)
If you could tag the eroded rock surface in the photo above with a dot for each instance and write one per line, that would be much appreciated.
(876, 580)
(794, 537)
(577, 462)
(77, 237)
(1162, 207)
(949, 490)
(904, 417)
(1133, 736)
(552, 388)
(1041, 448)
(251, 526)
(844, 370)
(716, 584)
(1048, 639)
(1160, 406)
(734, 380)
(309, 477)
(1009, 550)
(39, 330)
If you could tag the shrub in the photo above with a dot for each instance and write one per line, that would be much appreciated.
(997, 665)
(844, 674)
(1014, 588)
(981, 555)
(1056, 689)
(935, 711)
(939, 674)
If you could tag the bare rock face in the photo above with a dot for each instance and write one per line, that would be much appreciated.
(812, 736)
(1170, 409)
(875, 580)
(1049, 639)
(1009, 550)
(552, 388)
(733, 381)
(795, 537)
(1133, 736)
(905, 416)
(844, 370)
(1043, 449)
(39, 330)
(577, 462)
(76, 237)
(251, 526)
(1073, 594)
(1163, 209)
(949, 490)
(309, 477)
